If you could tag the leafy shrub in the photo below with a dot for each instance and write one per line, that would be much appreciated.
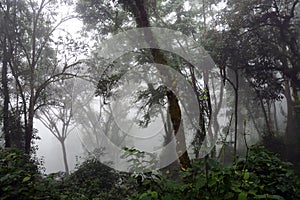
(259, 176)
(92, 179)
(20, 178)
(269, 175)
(17, 174)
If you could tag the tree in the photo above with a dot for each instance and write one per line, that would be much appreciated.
(138, 9)
(6, 50)
(57, 117)
(33, 63)
(269, 31)
(4, 81)
(261, 39)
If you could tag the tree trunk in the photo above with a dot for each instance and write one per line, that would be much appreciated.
(142, 20)
(5, 111)
(236, 102)
(275, 118)
(62, 142)
(290, 116)
(269, 130)
(292, 128)
(176, 119)
(29, 125)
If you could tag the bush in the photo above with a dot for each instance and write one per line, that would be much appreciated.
(93, 179)
(18, 174)
(21, 179)
(269, 175)
(259, 176)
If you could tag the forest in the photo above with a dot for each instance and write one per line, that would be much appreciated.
(167, 99)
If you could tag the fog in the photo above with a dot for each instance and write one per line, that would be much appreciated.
(50, 151)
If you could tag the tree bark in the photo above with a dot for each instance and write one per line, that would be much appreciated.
(275, 117)
(4, 81)
(29, 127)
(236, 103)
(62, 142)
(236, 99)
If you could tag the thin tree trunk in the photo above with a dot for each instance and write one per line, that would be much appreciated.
(270, 117)
(62, 142)
(275, 118)
(253, 120)
(6, 96)
(29, 127)
(32, 64)
(265, 116)
(201, 132)
(29, 130)
(235, 87)
(236, 101)
(204, 20)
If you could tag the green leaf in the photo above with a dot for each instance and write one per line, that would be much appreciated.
(252, 192)
(246, 175)
(229, 195)
(268, 196)
(200, 184)
(154, 195)
(27, 178)
(242, 196)
(275, 197)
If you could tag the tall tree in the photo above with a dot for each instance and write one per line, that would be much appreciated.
(33, 63)
(12, 125)
(57, 116)
(139, 9)
(261, 39)
(4, 81)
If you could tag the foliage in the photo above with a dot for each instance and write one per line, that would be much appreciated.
(271, 174)
(260, 176)
(140, 160)
(16, 129)
(258, 40)
(254, 41)
(92, 179)
(31, 61)
(17, 173)
(20, 178)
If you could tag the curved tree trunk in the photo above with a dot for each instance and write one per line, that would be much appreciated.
(140, 14)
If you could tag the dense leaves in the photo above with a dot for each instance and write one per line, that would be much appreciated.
(261, 175)
(17, 174)
(20, 177)
(252, 42)
(92, 178)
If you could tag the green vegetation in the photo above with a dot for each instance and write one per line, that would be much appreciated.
(53, 75)
(20, 177)
(261, 175)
